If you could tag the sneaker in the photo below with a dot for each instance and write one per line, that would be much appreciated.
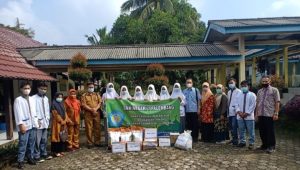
(261, 148)
(47, 157)
(31, 162)
(270, 150)
(241, 145)
(20, 165)
(39, 160)
(251, 147)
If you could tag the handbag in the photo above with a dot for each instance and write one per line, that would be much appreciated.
(63, 135)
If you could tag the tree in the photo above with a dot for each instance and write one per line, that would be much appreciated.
(144, 8)
(100, 38)
(28, 32)
(155, 75)
(78, 71)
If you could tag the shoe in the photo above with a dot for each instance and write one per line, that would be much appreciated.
(31, 162)
(261, 148)
(47, 157)
(39, 160)
(251, 147)
(270, 150)
(20, 165)
(241, 145)
(58, 155)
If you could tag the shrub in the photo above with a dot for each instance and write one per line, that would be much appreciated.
(80, 74)
(78, 61)
(155, 70)
(292, 108)
(158, 81)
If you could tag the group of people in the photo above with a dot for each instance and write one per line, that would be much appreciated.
(214, 114)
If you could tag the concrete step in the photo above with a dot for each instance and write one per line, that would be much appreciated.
(295, 91)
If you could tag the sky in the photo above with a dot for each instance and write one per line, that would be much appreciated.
(65, 22)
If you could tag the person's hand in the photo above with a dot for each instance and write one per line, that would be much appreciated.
(222, 117)
(239, 113)
(70, 123)
(146, 99)
(63, 122)
(22, 128)
(275, 117)
(117, 98)
(256, 118)
(40, 123)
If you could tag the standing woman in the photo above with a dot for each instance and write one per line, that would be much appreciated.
(151, 94)
(59, 121)
(177, 94)
(220, 115)
(124, 94)
(206, 114)
(138, 94)
(164, 93)
(72, 106)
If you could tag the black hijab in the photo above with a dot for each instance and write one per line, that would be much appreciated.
(58, 106)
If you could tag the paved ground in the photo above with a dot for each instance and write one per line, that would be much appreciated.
(203, 156)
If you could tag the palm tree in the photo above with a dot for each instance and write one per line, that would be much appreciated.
(102, 34)
(144, 8)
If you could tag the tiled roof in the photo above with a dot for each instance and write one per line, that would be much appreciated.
(130, 51)
(13, 65)
(277, 21)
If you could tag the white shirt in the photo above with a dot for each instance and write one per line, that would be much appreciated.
(250, 105)
(43, 118)
(234, 101)
(23, 115)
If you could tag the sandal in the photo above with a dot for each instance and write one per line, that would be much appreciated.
(58, 155)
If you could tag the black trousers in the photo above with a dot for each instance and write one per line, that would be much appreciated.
(266, 131)
(192, 124)
(207, 134)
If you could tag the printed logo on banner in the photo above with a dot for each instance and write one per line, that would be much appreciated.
(115, 118)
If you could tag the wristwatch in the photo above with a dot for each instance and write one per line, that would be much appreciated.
(276, 113)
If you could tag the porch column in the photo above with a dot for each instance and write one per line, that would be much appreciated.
(254, 69)
(294, 75)
(209, 76)
(286, 66)
(223, 75)
(277, 66)
(216, 75)
(242, 64)
(8, 108)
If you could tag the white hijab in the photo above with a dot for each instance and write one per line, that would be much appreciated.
(138, 95)
(151, 95)
(110, 92)
(177, 92)
(124, 94)
(164, 93)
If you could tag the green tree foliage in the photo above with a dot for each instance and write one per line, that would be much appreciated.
(155, 75)
(143, 9)
(19, 27)
(101, 37)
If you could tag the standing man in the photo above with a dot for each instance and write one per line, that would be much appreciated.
(43, 115)
(192, 110)
(245, 115)
(26, 119)
(91, 102)
(72, 106)
(268, 102)
(232, 95)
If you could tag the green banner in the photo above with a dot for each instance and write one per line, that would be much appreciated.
(163, 115)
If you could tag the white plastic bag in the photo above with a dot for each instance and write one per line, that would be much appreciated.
(184, 141)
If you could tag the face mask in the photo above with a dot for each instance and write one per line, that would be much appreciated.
(219, 91)
(205, 89)
(26, 92)
(265, 85)
(42, 92)
(59, 100)
(189, 85)
(176, 90)
(123, 92)
(91, 90)
(138, 93)
(232, 86)
(245, 89)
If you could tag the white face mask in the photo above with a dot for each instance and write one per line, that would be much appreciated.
(59, 100)
(189, 85)
(91, 89)
(123, 92)
(110, 89)
(26, 92)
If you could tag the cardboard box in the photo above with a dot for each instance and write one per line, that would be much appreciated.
(134, 146)
(118, 147)
(173, 138)
(164, 142)
(148, 145)
(150, 133)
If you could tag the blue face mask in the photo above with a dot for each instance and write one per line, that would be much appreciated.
(219, 91)
(232, 86)
(245, 89)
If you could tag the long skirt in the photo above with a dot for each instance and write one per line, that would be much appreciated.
(207, 134)
(220, 129)
(58, 147)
